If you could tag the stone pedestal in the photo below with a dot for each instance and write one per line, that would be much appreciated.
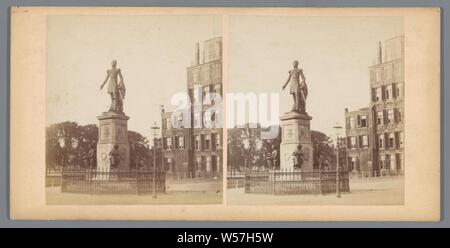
(112, 130)
(295, 130)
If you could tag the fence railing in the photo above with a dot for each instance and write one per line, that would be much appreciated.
(93, 181)
(377, 173)
(194, 175)
(291, 182)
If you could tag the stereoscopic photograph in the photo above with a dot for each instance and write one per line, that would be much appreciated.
(329, 93)
(313, 114)
(120, 126)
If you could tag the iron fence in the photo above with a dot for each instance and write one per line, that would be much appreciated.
(375, 173)
(291, 182)
(94, 181)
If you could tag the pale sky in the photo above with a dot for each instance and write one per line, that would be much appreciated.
(152, 51)
(334, 52)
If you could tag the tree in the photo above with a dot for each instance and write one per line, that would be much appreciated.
(323, 147)
(67, 143)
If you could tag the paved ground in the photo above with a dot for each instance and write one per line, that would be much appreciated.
(374, 191)
(177, 193)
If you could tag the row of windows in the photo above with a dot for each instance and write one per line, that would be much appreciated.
(389, 116)
(387, 162)
(207, 141)
(387, 92)
(385, 141)
(390, 140)
(360, 141)
(358, 121)
(201, 142)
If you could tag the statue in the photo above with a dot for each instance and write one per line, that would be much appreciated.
(116, 88)
(298, 157)
(298, 89)
(114, 157)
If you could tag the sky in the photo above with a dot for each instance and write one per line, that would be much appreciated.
(152, 52)
(334, 52)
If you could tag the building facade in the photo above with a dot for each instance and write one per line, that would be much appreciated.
(192, 138)
(375, 134)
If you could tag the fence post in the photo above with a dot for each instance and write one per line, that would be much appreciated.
(273, 182)
(320, 180)
(137, 182)
(90, 181)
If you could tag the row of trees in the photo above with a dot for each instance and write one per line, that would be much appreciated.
(246, 148)
(68, 143)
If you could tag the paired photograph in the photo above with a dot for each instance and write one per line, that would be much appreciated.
(138, 111)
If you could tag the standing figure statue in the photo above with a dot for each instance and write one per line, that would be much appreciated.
(298, 157)
(298, 89)
(116, 88)
(114, 157)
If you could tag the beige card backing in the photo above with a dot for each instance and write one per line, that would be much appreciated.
(422, 124)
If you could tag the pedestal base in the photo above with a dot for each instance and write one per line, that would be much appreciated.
(295, 130)
(113, 131)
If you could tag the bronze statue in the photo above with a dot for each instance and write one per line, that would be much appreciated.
(298, 157)
(298, 89)
(114, 157)
(116, 88)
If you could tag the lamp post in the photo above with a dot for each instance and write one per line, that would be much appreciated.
(338, 181)
(161, 108)
(155, 132)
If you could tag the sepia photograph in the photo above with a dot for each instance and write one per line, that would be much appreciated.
(117, 127)
(329, 93)
(234, 114)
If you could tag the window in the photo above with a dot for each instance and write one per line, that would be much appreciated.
(352, 142)
(399, 161)
(380, 117)
(169, 142)
(400, 139)
(363, 121)
(365, 142)
(197, 142)
(382, 162)
(207, 142)
(180, 120)
(181, 142)
(352, 122)
(378, 94)
(392, 164)
(218, 140)
(354, 163)
(390, 119)
(391, 140)
(387, 162)
(381, 141)
(388, 93)
(217, 89)
(399, 115)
